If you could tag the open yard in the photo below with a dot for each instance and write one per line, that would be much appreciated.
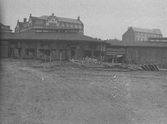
(69, 95)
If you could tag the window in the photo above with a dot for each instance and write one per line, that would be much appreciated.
(45, 31)
(139, 39)
(62, 24)
(67, 25)
(136, 39)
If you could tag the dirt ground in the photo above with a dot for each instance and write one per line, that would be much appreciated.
(43, 95)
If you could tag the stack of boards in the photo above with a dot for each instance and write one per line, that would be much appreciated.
(150, 67)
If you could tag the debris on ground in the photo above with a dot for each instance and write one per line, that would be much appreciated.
(91, 63)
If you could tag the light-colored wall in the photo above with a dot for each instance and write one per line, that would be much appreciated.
(141, 36)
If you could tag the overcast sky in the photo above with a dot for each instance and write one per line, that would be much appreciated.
(105, 19)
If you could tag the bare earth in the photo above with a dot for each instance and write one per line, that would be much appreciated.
(80, 96)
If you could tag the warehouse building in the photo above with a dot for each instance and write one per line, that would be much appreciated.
(50, 37)
(137, 52)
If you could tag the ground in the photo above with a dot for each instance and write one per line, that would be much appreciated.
(69, 95)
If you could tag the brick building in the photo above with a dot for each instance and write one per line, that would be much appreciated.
(140, 34)
(50, 23)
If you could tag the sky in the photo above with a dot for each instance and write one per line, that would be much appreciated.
(104, 19)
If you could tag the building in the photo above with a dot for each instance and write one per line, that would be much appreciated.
(49, 23)
(52, 37)
(137, 52)
(159, 40)
(115, 51)
(140, 34)
(5, 28)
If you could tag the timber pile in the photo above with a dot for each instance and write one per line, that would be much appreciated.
(87, 62)
(149, 66)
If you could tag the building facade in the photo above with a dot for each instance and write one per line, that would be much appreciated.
(50, 23)
(140, 34)
(159, 40)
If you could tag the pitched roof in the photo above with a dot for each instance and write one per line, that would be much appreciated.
(49, 36)
(153, 31)
(34, 18)
(56, 27)
(145, 44)
(112, 40)
(1, 24)
(6, 28)
(61, 19)
(4, 25)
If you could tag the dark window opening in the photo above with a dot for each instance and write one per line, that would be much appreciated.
(120, 58)
(96, 54)
(30, 53)
(87, 53)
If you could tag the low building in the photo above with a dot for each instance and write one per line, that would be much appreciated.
(140, 34)
(40, 45)
(5, 28)
(115, 51)
(52, 37)
(137, 52)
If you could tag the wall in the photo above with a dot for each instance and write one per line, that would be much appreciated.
(129, 35)
(4, 52)
(145, 54)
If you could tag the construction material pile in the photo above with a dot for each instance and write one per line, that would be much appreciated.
(92, 63)
(87, 62)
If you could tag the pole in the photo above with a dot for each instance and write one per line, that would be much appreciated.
(50, 54)
(60, 59)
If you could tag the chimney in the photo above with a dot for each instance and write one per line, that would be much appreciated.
(30, 15)
(129, 27)
(52, 14)
(25, 20)
(79, 18)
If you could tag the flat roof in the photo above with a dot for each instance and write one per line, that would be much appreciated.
(137, 44)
